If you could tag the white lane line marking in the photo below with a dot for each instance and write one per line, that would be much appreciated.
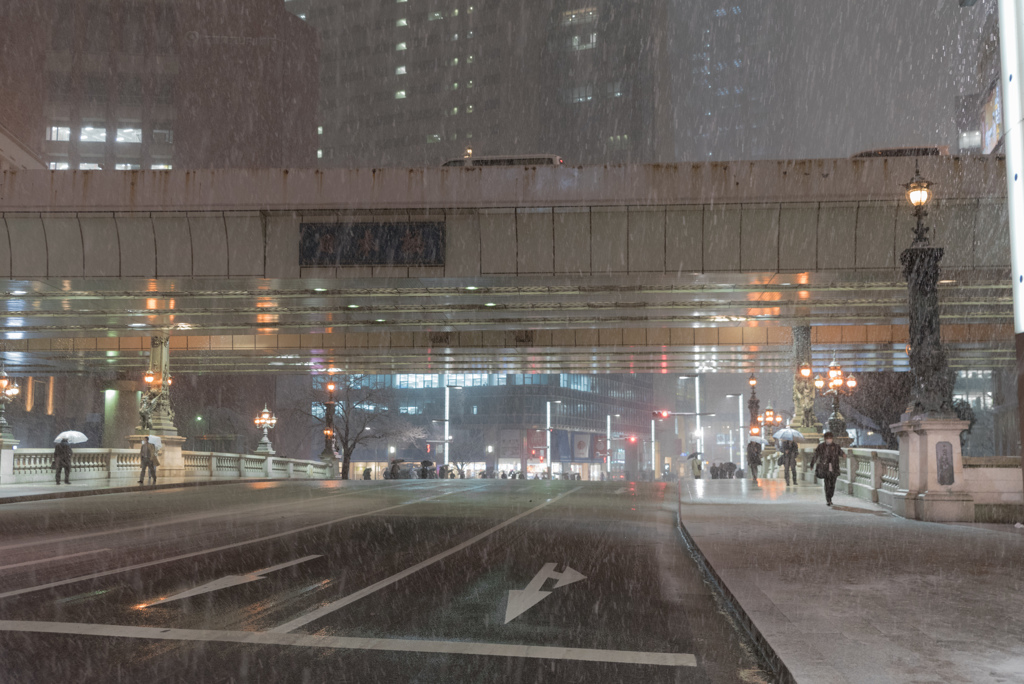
(471, 648)
(228, 581)
(363, 593)
(50, 560)
(277, 535)
(212, 516)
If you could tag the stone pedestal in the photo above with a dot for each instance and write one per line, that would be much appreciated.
(172, 463)
(932, 485)
(7, 445)
(812, 438)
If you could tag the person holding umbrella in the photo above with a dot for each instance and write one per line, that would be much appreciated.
(148, 461)
(788, 438)
(62, 460)
(62, 452)
(826, 456)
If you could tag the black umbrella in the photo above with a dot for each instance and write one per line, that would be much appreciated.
(694, 455)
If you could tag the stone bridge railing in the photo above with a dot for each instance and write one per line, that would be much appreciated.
(995, 483)
(121, 466)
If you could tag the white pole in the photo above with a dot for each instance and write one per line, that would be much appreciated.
(654, 458)
(447, 406)
(1011, 27)
(547, 432)
(742, 445)
(608, 444)
(700, 432)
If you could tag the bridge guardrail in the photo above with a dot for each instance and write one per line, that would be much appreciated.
(122, 466)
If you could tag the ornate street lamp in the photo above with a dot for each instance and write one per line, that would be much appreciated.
(837, 383)
(932, 391)
(754, 407)
(328, 455)
(919, 194)
(265, 420)
(8, 391)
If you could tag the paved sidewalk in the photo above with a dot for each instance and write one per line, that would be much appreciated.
(15, 493)
(855, 594)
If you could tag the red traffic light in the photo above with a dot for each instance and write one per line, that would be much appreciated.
(632, 439)
(662, 414)
(533, 452)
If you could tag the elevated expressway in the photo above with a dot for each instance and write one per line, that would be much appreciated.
(594, 269)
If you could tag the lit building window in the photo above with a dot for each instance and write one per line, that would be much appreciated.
(89, 166)
(400, 47)
(319, 154)
(400, 71)
(455, 110)
(434, 16)
(127, 167)
(455, 62)
(160, 167)
(400, 95)
(92, 134)
(469, 110)
(434, 138)
(129, 135)
(585, 15)
(585, 42)
(469, 60)
(58, 133)
(469, 84)
(59, 166)
(402, 22)
(319, 130)
(455, 12)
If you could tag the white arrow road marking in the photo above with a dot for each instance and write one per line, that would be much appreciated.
(620, 490)
(521, 600)
(230, 581)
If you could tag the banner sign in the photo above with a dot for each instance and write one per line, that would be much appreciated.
(581, 446)
(561, 445)
(408, 243)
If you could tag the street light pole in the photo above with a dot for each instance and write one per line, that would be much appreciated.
(932, 391)
(327, 455)
(447, 415)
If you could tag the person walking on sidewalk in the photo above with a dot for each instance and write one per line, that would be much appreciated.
(788, 460)
(753, 458)
(826, 465)
(148, 460)
(62, 460)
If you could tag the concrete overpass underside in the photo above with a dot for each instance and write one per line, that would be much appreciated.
(594, 269)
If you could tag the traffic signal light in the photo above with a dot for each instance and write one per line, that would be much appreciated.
(533, 452)
(662, 414)
(428, 448)
(632, 439)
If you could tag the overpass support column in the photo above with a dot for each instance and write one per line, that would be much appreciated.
(156, 413)
(1011, 29)
(120, 413)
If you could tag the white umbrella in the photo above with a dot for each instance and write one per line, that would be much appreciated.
(759, 440)
(789, 435)
(73, 437)
(155, 441)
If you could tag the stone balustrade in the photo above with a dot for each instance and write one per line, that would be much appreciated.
(995, 484)
(121, 466)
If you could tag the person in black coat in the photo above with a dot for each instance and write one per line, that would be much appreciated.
(62, 460)
(753, 458)
(826, 465)
(788, 459)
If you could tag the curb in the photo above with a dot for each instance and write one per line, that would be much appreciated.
(119, 490)
(768, 656)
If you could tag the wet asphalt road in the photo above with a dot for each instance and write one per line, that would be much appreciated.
(369, 582)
